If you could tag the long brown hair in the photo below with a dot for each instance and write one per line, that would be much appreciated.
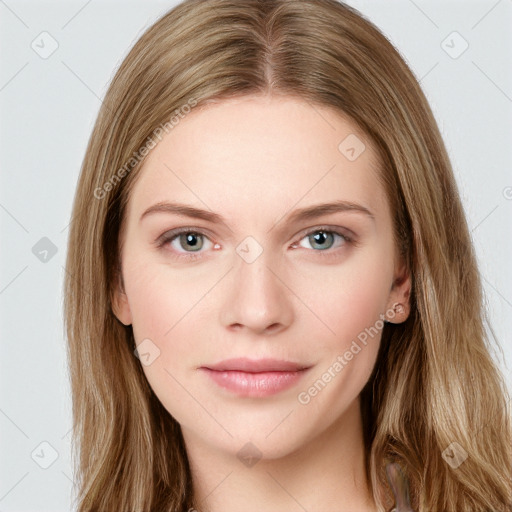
(435, 386)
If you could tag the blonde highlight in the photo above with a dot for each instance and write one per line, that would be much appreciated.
(128, 449)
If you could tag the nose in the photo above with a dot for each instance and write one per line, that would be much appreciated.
(258, 299)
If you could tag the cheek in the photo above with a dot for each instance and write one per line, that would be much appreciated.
(167, 308)
(163, 304)
(160, 299)
(350, 305)
(335, 306)
(347, 300)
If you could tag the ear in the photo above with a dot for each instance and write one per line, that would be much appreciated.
(398, 306)
(120, 305)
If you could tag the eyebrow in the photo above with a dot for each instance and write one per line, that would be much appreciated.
(308, 213)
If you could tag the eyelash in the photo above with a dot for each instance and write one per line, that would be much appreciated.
(170, 236)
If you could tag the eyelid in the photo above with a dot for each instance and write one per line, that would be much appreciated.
(205, 232)
(349, 234)
(172, 234)
(169, 236)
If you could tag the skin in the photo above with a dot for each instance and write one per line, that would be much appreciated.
(254, 160)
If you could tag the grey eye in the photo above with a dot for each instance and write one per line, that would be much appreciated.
(192, 240)
(323, 239)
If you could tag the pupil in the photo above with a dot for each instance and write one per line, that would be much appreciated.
(192, 240)
(320, 238)
(320, 235)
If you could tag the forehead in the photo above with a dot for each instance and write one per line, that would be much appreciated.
(258, 155)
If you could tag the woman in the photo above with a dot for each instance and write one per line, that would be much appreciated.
(272, 300)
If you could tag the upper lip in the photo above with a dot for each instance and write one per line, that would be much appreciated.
(256, 365)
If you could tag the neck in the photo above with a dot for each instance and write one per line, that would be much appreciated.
(327, 472)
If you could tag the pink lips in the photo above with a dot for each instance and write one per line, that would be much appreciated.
(255, 378)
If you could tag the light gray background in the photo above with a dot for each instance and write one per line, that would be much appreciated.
(47, 109)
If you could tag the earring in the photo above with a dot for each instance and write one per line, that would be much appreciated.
(398, 308)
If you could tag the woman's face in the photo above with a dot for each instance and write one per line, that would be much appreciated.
(259, 322)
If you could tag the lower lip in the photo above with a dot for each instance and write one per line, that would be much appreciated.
(254, 384)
